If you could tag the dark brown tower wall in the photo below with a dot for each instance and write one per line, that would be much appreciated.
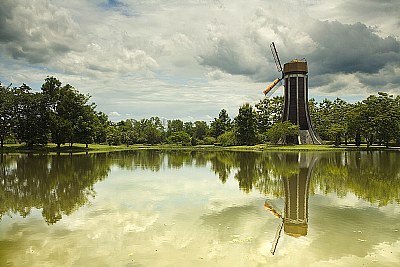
(292, 116)
(302, 104)
(286, 103)
(296, 101)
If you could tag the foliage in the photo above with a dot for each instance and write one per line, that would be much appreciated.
(61, 114)
(180, 138)
(7, 112)
(221, 124)
(227, 139)
(269, 112)
(279, 132)
(209, 140)
(246, 125)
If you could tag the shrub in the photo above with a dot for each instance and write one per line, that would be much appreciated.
(180, 138)
(227, 139)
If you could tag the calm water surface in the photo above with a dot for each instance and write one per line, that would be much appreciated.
(151, 208)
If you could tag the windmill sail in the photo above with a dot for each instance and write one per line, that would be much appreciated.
(277, 236)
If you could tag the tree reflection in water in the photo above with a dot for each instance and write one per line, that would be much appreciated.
(58, 185)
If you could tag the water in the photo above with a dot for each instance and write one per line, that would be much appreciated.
(178, 208)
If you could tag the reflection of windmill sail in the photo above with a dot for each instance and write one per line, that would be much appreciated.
(276, 240)
(268, 206)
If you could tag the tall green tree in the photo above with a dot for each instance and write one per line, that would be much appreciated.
(31, 117)
(200, 129)
(69, 116)
(221, 124)
(7, 112)
(87, 124)
(383, 118)
(246, 125)
(102, 128)
(269, 112)
(174, 126)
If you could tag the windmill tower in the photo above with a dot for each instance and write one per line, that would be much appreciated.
(295, 76)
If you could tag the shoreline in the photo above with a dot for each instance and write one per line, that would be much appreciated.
(96, 148)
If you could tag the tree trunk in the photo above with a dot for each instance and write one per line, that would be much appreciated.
(87, 146)
(58, 146)
(2, 143)
(358, 139)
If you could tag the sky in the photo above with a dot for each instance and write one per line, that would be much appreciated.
(189, 59)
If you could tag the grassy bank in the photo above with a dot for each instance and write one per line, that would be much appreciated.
(96, 148)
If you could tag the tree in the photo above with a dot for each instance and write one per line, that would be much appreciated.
(221, 124)
(227, 139)
(31, 119)
(269, 112)
(330, 119)
(188, 128)
(153, 130)
(180, 138)
(7, 112)
(174, 126)
(279, 132)
(128, 132)
(200, 129)
(383, 118)
(246, 125)
(69, 116)
(101, 128)
(85, 130)
(338, 123)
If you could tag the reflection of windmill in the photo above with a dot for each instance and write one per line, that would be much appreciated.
(295, 218)
(294, 73)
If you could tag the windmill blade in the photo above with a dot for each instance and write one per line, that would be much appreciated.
(272, 91)
(269, 207)
(277, 236)
(276, 57)
(271, 86)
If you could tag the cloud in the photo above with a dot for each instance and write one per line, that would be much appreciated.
(115, 113)
(381, 15)
(36, 31)
(193, 58)
(343, 48)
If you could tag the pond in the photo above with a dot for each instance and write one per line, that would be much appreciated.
(195, 208)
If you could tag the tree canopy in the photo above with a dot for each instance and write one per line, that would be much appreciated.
(62, 115)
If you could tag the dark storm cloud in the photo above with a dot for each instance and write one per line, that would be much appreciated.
(227, 56)
(371, 8)
(6, 32)
(343, 48)
(36, 33)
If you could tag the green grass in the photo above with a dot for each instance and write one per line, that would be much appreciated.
(96, 148)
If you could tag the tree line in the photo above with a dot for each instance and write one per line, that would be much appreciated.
(61, 114)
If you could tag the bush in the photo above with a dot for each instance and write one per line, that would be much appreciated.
(280, 131)
(180, 138)
(227, 139)
(209, 140)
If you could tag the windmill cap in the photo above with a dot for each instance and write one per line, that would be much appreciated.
(295, 66)
(296, 230)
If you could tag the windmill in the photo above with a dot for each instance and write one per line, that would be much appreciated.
(295, 110)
